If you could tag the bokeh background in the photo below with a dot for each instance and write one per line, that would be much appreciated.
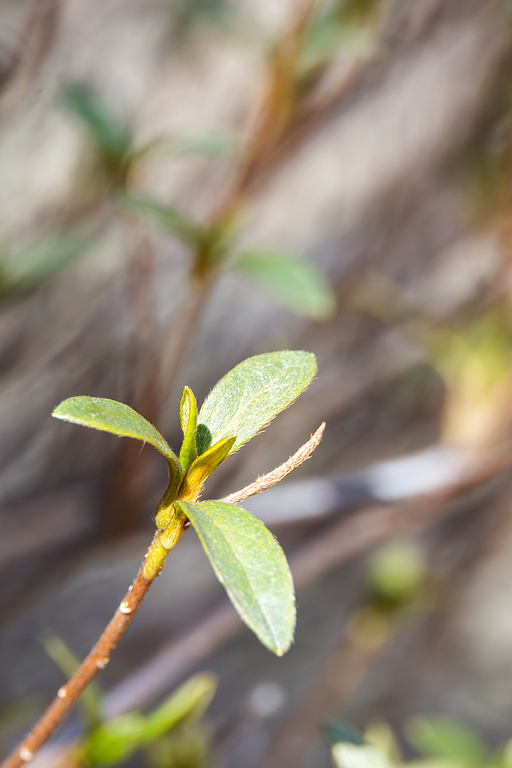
(351, 162)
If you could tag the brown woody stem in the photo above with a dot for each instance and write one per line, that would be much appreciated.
(97, 659)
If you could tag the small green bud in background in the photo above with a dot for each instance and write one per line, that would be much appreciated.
(396, 571)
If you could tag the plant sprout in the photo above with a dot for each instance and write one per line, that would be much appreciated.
(245, 556)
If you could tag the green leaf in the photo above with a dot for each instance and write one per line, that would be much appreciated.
(251, 395)
(114, 741)
(111, 137)
(188, 703)
(443, 737)
(353, 756)
(203, 467)
(188, 420)
(118, 418)
(166, 217)
(251, 565)
(293, 282)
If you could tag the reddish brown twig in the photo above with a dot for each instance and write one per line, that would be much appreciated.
(265, 482)
(100, 654)
(97, 659)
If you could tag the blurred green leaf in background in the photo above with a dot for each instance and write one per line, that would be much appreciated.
(293, 282)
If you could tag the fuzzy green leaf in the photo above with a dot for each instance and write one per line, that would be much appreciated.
(187, 703)
(203, 467)
(251, 565)
(251, 395)
(118, 418)
(293, 282)
(188, 420)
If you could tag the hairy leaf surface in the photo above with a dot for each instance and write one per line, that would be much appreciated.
(203, 467)
(251, 395)
(188, 421)
(251, 565)
(117, 418)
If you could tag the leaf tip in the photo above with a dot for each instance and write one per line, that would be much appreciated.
(59, 412)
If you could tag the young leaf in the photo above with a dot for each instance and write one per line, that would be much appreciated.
(293, 282)
(188, 420)
(166, 217)
(203, 467)
(118, 418)
(187, 703)
(251, 565)
(251, 395)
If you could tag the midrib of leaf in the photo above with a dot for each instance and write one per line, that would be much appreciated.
(277, 644)
(240, 564)
(260, 607)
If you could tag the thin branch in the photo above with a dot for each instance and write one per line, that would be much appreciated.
(276, 109)
(265, 482)
(97, 659)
